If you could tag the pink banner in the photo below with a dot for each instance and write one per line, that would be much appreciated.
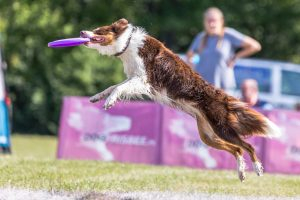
(129, 132)
(283, 154)
(181, 144)
(145, 132)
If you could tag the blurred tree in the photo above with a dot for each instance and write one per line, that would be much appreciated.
(39, 77)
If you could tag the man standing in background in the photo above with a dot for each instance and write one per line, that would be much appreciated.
(250, 94)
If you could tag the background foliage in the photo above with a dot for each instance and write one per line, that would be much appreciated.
(38, 77)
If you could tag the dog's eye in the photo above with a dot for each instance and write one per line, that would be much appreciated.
(101, 31)
(97, 32)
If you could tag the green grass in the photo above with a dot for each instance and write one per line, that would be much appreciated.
(33, 165)
(34, 146)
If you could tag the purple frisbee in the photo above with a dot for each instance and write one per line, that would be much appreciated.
(68, 42)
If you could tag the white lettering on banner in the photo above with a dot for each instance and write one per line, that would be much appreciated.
(201, 151)
(181, 129)
(295, 149)
(94, 137)
(194, 144)
(121, 139)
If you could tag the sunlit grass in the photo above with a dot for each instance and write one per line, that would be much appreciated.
(34, 146)
(34, 166)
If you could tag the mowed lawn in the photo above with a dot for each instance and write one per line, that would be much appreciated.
(33, 166)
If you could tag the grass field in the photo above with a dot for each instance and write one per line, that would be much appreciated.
(33, 166)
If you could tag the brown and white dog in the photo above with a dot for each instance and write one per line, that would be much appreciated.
(157, 72)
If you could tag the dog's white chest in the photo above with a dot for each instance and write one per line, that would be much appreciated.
(132, 62)
(133, 66)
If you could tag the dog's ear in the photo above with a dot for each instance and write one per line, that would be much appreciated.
(120, 25)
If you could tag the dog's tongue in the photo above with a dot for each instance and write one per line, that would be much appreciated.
(99, 39)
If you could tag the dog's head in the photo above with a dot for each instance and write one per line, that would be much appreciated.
(104, 38)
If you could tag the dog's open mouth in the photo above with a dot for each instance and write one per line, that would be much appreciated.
(93, 38)
(97, 39)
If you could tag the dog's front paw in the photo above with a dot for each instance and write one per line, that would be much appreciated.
(97, 97)
(94, 99)
(110, 102)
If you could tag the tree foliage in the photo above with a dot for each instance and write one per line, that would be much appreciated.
(38, 77)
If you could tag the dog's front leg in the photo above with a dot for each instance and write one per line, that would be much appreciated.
(103, 94)
(133, 87)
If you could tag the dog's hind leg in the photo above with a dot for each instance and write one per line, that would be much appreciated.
(208, 136)
(236, 151)
(257, 166)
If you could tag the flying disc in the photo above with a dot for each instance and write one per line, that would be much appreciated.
(68, 42)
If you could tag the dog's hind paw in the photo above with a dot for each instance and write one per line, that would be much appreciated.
(242, 176)
(241, 168)
(259, 169)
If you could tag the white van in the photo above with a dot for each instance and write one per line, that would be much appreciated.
(279, 82)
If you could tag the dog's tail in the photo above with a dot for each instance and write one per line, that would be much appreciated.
(247, 122)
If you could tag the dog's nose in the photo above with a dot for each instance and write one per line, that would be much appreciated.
(82, 33)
